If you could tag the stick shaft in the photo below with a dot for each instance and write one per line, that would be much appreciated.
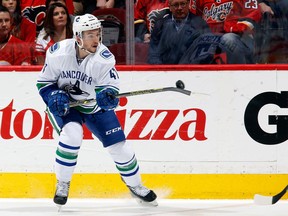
(134, 93)
(279, 195)
(150, 91)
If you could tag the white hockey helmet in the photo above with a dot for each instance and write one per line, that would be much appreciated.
(84, 23)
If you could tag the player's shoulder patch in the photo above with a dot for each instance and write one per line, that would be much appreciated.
(106, 54)
(54, 47)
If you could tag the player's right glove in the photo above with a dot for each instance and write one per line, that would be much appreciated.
(58, 103)
(106, 99)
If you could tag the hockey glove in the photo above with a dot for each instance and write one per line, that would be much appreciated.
(106, 99)
(58, 103)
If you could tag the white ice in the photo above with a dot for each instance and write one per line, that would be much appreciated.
(129, 207)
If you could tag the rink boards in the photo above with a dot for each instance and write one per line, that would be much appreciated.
(227, 140)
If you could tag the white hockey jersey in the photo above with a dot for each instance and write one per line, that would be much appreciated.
(79, 80)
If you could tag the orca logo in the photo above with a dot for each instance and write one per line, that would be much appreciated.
(74, 89)
(281, 121)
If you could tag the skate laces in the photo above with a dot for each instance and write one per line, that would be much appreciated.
(62, 188)
(140, 190)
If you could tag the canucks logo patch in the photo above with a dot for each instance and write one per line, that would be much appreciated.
(106, 54)
(54, 47)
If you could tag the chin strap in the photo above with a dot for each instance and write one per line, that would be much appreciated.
(86, 50)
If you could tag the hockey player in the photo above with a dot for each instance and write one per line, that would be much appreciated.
(236, 20)
(77, 69)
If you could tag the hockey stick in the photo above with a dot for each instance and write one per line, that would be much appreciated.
(269, 200)
(179, 88)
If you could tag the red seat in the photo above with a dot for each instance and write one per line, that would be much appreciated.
(115, 14)
(113, 21)
(119, 51)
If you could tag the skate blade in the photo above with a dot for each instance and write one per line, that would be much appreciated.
(154, 203)
(59, 207)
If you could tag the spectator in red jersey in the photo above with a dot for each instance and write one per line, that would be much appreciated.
(12, 50)
(57, 27)
(22, 28)
(146, 12)
(236, 21)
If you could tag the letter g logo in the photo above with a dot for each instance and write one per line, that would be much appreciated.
(281, 121)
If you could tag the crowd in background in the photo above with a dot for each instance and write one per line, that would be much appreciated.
(166, 31)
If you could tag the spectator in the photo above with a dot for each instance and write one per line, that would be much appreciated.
(235, 21)
(12, 50)
(172, 35)
(22, 28)
(49, 2)
(57, 27)
(64, 2)
(146, 12)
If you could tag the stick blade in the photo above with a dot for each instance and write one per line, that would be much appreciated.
(263, 200)
(269, 200)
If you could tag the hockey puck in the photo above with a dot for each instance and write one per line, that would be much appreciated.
(180, 84)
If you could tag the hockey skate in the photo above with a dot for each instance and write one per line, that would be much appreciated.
(61, 194)
(143, 195)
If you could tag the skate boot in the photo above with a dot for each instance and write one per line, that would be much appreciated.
(61, 194)
(143, 195)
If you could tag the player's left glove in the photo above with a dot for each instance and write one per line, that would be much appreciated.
(106, 99)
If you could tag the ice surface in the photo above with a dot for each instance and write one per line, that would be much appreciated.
(129, 207)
